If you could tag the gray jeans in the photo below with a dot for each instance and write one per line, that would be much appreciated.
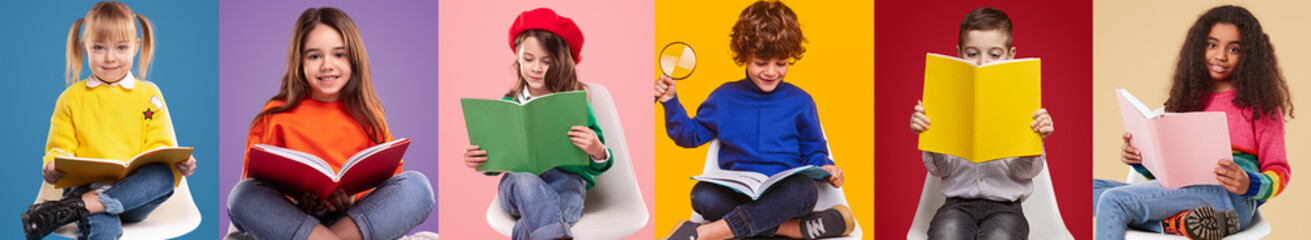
(961, 218)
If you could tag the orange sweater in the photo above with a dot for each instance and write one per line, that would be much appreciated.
(325, 129)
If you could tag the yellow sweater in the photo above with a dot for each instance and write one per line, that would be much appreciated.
(93, 119)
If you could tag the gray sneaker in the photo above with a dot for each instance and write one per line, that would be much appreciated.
(685, 231)
(835, 221)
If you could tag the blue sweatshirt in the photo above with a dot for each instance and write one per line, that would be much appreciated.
(758, 131)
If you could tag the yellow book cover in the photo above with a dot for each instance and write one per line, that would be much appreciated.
(79, 171)
(981, 113)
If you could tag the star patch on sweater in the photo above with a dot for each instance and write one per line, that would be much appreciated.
(149, 114)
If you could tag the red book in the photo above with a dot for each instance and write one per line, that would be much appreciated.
(295, 172)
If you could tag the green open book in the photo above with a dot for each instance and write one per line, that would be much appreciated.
(981, 113)
(528, 137)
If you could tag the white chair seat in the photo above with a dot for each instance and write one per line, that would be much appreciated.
(614, 208)
(1040, 209)
(175, 217)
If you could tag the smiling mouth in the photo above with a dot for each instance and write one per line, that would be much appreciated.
(329, 79)
(1218, 69)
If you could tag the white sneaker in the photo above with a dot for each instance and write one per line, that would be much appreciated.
(424, 235)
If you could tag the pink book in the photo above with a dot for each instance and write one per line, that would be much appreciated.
(1180, 149)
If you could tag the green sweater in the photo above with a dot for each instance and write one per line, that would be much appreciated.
(593, 168)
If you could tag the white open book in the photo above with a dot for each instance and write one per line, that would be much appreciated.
(754, 184)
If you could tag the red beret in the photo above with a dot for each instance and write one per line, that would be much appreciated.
(546, 19)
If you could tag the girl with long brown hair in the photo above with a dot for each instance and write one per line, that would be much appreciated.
(326, 106)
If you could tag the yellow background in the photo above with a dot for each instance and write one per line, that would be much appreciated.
(837, 70)
(1135, 45)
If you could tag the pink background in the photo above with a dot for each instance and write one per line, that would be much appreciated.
(475, 61)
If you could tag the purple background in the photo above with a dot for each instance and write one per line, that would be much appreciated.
(401, 40)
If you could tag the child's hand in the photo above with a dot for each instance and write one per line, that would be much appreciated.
(473, 157)
(308, 203)
(664, 89)
(918, 121)
(1042, 123)
(586, 140)
(1130, 154)
(50, 173)
(837, 179)
(340, 201)
(1232, 177)
(187, 167)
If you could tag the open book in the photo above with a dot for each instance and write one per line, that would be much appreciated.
(81, 171)
(981, 113)
(529, 137)
(1180, 149)
(295, 172)
(754, 184)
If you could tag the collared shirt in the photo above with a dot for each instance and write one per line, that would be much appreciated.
(1006, 179)
(128, 82)
(117, 121)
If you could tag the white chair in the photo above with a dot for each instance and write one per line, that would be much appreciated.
(1259, 227)
(829, 196)
(1039, 208)
(614, 208)
(175, 217)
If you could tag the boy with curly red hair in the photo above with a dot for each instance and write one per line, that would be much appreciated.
(766, 126)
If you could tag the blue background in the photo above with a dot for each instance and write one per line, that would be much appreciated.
(185, 68)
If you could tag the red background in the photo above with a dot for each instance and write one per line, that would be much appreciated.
(1059, 32)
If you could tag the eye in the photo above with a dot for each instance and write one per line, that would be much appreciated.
(781, 63)
(98, 47)
(339, 55)
(1233, 49)
(1210, 45)
(122, 47)
(994, 55)
(971, 55)
(313, 56)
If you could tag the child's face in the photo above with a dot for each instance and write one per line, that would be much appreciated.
(983, 47)
(1222, 51)
(326, 63)
(767, 73)
(110, 58)
(534, 61)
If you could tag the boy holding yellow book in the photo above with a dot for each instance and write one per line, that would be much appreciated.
(983, 196)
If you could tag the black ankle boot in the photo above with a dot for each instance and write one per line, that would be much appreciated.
(42, 218)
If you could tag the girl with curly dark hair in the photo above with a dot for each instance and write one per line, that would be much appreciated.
(1227, 64)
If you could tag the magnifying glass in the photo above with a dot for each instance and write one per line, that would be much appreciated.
(677, 61)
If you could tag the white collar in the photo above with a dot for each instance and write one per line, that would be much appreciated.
(524, 95)
(127, 83)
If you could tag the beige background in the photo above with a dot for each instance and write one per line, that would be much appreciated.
(1135, 46)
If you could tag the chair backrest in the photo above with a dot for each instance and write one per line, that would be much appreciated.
(621, 179)
(1041, 208)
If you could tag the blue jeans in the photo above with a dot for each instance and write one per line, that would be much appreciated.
(128, 200)
(1118, 205)
(394, 208)
(546, 205)
(794, 197)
